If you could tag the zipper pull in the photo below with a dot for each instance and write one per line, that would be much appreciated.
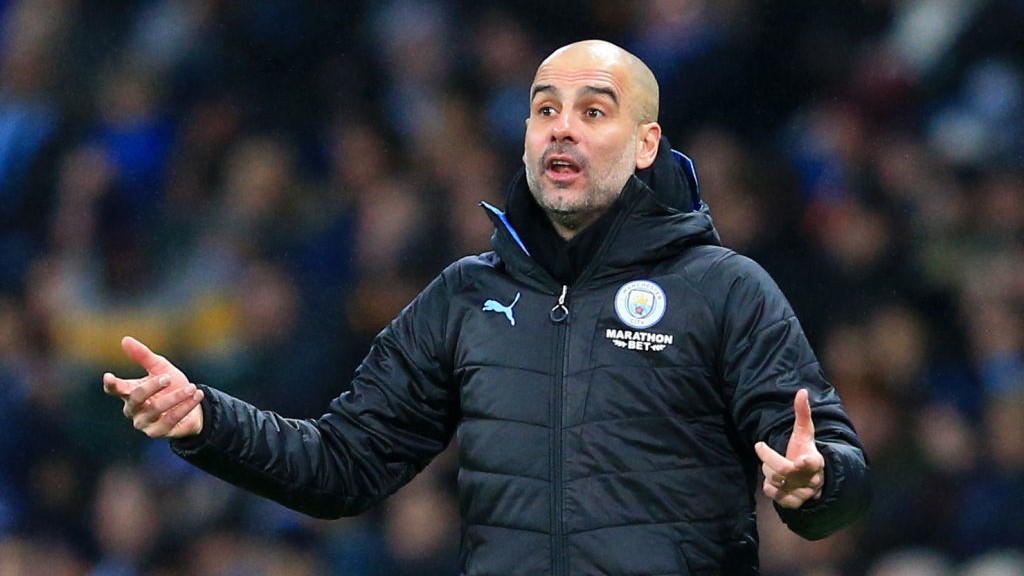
(559, 313)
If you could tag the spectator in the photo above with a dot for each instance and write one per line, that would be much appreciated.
(907, 111)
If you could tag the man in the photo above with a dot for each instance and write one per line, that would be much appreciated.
(613, 376)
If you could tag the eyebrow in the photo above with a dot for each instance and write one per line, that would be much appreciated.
(599, 90)
(542, 88)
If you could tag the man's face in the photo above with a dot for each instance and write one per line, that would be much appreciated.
(581, 138)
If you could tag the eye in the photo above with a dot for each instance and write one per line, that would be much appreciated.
(594, 113)
(546, 111)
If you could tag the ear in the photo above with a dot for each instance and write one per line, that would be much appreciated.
(647, 144)
(527, 123)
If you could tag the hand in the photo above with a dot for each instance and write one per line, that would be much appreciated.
(162, 404)
(799, 476)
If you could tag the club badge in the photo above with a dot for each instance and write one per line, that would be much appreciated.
(640, 304)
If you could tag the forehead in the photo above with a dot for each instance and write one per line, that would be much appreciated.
(571, 71)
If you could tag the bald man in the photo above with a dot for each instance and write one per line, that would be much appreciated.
(619, 384)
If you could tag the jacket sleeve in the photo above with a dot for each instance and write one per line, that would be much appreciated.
(766, 359)
(400, 413)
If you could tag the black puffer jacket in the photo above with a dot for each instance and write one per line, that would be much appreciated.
(602, 428)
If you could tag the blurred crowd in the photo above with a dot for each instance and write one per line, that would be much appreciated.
(255, 188)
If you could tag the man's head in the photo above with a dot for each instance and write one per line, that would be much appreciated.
(593, 122)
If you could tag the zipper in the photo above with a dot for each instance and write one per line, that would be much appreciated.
(560, 317)
(559, 313)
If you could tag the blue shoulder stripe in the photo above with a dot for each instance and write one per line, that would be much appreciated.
(690, 172)
(508, 226)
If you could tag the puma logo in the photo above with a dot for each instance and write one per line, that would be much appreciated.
(495, 306)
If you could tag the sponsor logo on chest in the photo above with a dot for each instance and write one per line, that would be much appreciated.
(639, 340)
(640, 305)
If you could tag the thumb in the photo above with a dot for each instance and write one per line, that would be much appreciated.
(142, 355)
(803, 426)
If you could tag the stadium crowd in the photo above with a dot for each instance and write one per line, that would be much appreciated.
(255, 188)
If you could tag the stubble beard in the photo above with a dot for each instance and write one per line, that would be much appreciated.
(575, 212)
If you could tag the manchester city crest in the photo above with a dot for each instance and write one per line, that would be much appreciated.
(640, 304)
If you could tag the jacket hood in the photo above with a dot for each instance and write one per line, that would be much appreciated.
(672, 178)
(658, 213)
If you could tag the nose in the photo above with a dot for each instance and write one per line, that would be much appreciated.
(563, 129)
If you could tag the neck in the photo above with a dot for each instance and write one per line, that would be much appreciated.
(562, 248)
(564, 232)
(568, 226)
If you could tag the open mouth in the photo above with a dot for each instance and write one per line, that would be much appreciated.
(562, 166)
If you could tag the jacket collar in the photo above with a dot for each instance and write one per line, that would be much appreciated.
(658, 213)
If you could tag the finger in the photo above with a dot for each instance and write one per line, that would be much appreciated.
(809, 463)
(817, 482)
(180, 412)
(795, 498)
(786, 496)
(777, 491)
(143, 356)
(773, 459)
(115, 386)
(789, 500)
(160, 403)
(164, 402)
(773, 475)
(803, 427)
(141, 393)
(169, 423)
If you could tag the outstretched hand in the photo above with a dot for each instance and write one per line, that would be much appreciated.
(162, 404)
(799, 476)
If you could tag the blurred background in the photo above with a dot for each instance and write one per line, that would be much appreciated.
(256, 188)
